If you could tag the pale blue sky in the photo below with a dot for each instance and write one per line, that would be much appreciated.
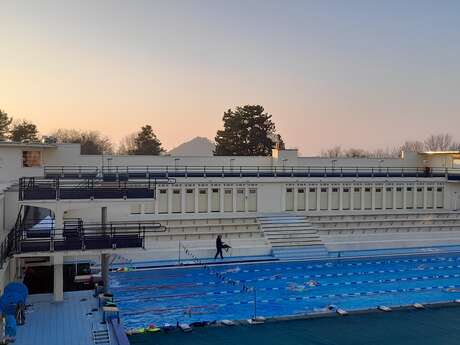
(357, 73)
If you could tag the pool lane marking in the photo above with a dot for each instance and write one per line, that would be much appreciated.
(314, 297)
(350, 264)
(224, 292)
(339, 284)
(349, 274)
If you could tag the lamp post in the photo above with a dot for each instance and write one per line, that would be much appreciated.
(333, 164)
(284, 163)
(175, 164)
(231, 164)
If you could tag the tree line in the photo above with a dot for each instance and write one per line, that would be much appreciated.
(247, 131)
(434, 142)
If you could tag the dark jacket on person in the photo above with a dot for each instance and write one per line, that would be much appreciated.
(219, 243)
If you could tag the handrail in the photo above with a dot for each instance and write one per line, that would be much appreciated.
(60, 171)
(85, 236)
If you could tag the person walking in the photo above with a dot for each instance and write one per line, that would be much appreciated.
(219, 246)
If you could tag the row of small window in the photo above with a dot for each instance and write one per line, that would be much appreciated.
(366, 189)
(345, 201)
(203, 203)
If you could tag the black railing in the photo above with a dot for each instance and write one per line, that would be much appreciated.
(76, 235)
(126, 173)
(32, 188)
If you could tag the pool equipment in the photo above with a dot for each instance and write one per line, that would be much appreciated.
(185, 327)
(341, 312)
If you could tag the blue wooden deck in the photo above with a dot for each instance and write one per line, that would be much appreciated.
(49, 323)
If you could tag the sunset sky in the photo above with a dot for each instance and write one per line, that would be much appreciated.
(356, 73)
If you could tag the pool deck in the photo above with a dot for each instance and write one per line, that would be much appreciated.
(61, 323)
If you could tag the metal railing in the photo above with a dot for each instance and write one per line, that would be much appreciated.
(33, 188)
(84, 236)
(125, 173)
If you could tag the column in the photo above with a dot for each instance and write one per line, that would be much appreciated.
(329, 197)
(318, 197)
(424, 196)
(283, 198)
(307, 197)
(58, 281)
(182, 198)
(340, 197)
(363, 188)
(404, 196)
(58, 217)
(414, 199)
(170, 194)
(105, 271)
(373, 197)
(394, 191)
(384, 197)
(197, 191)
(234, 197)
(209, 198)
(294, 193)
(221, 196)
(352, 197)
(435, 196)
(103, 218)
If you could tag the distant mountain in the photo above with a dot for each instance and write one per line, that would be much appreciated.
(198, 146)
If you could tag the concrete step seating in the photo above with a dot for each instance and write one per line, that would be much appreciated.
(208, 229)
(392, 230)
(292, 237)
(414, 222)
(385, 215)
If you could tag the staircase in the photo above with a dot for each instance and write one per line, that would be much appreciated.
(292, 237)
(101, 337)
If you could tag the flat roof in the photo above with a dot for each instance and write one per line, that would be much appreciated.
(17, 144)
(441, 152)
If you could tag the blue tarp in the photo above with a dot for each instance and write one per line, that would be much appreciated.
(14, 294)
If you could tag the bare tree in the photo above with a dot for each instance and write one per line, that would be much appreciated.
(440, 142)
(355, 153)
(127, 145)
(333, 152)
(414, 146)
(91, 142)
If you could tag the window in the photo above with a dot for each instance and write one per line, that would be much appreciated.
(312, 190)
(419, 189)
(31, 159)
(357, 189)
(398, 189)
(367, 189)
(378, 190)
(323, 190)
(335, 190)
(439, 189)
(429, 189)
(289, 190)
(346, 190)
(388, 189)
(409, 189)
(300, 190)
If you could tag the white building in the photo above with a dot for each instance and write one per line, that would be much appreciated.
(283, 206)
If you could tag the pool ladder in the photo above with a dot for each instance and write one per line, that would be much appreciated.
(101, 336)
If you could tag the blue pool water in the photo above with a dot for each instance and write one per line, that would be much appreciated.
(282, 288)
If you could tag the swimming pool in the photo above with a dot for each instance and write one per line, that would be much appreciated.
(194, 294)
